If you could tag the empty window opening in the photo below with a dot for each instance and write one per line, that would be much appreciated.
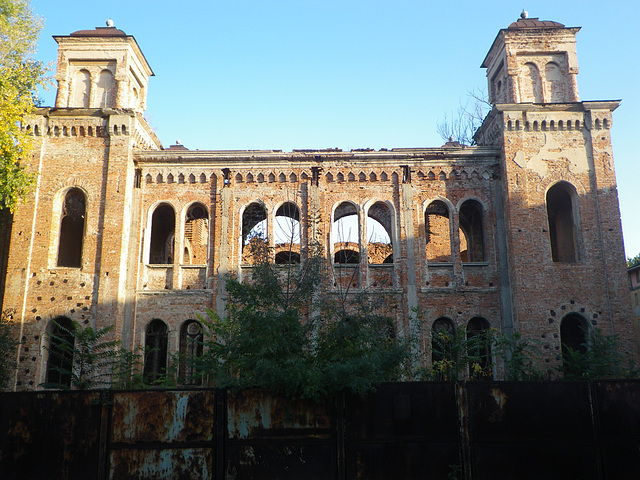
(472, 234)
(155, 352)
(191, 349)
(479, 348)
(254, 232)
(379, 243)
(573, 336)
(105, 90)
(442, 339)
(287, 233)
(345, 234)
(72, 229)
(81, 89)
(437, 232)
(562, 230)
(61, 345)
(163, 223)
(196, 234)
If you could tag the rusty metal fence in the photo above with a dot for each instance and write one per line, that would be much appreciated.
(430, 430)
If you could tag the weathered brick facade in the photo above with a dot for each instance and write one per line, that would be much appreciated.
(522, 230)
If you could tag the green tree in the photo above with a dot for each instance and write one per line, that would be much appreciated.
(633, 261)
(20, 77)
(274, 336)
(94, 358)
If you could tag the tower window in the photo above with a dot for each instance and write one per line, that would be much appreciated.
(61, 345)
(72, 229)
(562, 230)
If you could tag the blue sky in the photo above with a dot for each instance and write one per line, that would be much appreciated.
(279, 74)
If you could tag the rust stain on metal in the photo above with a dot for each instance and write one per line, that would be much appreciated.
(256, 413)
(176, 464)
(165, 416)
(500, 397)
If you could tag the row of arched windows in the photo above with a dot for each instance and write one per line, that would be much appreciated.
(376, 230)
(62, 344)
(439, 231)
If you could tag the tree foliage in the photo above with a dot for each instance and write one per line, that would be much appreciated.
(93, 357)
(20, 77)
(633, 261)
(462, 124)
(276, 336)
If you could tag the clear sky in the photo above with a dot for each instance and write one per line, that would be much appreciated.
(285, 74)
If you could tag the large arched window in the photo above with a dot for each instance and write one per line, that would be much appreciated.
(442, 338)
(155, 351)
(479, 348)
(196, 235)
(287, 234)
(254, 232)
(61, 345)
(437, 232)
(379, 234)
(530, 84)
(191, 348)
(472, 238)
(163, 223)
(105, 91)
(81, 89)
(562, 228)
(345, 234)
(72, 229)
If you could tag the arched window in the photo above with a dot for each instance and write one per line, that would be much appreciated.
(196, 235)
(72, 229)
(379, 243)
(163, 223)
(254, 232)
(472, 238)
(105, 92)
(287, 234)
(442, 337)
(479, 348)
(345, 233)
(155, 351)
(82, 89)
(530, 84)
(554, 83)
(191, 347)
(562, 228)
(573, 335)
(61, 345)
(437, 232)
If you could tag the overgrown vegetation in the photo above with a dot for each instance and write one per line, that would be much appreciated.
(276, 336)
(20, 77)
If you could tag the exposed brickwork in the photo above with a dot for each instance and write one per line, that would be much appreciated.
(466, 229)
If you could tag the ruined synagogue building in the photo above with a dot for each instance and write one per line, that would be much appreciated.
(520, 233)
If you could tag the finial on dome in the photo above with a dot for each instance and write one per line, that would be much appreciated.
(109, 22)
(524, 14)
(178, 142)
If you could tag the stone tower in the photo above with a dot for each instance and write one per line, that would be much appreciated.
(101, 68)
(562, 221)
(73, 243)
